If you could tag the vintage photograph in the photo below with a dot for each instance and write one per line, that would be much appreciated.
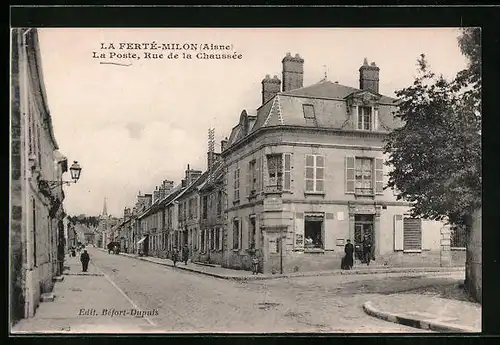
(245, 180)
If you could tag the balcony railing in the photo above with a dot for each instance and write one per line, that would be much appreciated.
(364, 191)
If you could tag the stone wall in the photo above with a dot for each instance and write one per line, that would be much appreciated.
(17, 211)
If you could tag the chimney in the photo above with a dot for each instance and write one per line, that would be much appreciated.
(167, 187)
(369, 76)
(223, 144)
(293, 72)
(183, 183)
(149, 199)
(156, 194)
(270, 87)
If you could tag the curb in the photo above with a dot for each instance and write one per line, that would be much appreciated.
(416, 322)
(306, 274)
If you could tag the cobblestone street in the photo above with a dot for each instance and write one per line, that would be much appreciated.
(189, 302)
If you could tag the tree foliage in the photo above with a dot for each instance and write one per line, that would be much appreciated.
(436, 154)
(89, 221)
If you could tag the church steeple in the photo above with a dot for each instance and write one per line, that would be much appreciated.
(104, 209)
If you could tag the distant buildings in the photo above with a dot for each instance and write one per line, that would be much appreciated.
(36, 218)
(297, 177)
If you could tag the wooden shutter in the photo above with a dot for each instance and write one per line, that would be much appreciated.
(379, 176)
(412, 234)
(319, 182)
(258, 174)
(287, 171)
(398, 232)
(349, 174)
(375, 119)
(247, 179)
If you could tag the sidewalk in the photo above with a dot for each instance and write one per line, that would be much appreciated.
(226, 273)
(427, 312)
(79, 304)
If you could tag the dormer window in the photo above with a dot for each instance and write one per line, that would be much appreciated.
(308, 111)
(365, 118)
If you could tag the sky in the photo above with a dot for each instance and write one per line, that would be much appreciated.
(132, 123)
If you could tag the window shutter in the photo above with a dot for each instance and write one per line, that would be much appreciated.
(258, 174)
(412, 233)
(375, 119)
(398, 232)
(349, 174)
(287, 171)
(319, 173)
(265, 172)
(247, 179)
(379, 176)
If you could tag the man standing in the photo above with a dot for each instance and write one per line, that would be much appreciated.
(175, 256)
(349, 252)
(85, 258)
(185, 254)
(367, 249)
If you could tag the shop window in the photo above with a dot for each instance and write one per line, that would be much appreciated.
(313, 232)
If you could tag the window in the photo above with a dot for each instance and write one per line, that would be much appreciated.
(308, 111)
(365, 118)
(212, 239)
(315, 173)
(253, 229)
(363, 174)
(412, 234)
(236, 186)
(252, 177)
(219, 202)
(205, 206)
(217, 238)
(279, 168)
(313, 232)
(202, 241)
(236, 234)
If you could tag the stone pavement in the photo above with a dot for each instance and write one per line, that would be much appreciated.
(226, 273)
(80, 301)
(427, 312)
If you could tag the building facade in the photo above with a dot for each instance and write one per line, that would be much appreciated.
(306, 172)
(212, 216)
(36, 222)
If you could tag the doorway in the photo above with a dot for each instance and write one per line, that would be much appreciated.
(363, 225)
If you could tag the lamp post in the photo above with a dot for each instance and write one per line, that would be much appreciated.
(75, 172)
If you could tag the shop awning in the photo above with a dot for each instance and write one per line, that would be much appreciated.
(141, 240)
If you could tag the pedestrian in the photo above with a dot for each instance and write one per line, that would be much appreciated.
(348, 258)
(175, 256)
(73, 252)
(185, 254)
(255, 264)
(367, 250)
(85, 258)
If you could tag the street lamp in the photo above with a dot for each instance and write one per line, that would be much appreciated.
(75, 172)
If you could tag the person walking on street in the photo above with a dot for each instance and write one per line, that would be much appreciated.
(367, 250)
(175, 255)
(349, 252)
(255, 264)
(85, 258)
(185, 254)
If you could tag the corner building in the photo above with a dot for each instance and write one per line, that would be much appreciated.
(306, 172)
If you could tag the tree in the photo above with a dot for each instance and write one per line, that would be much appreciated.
(436, 154)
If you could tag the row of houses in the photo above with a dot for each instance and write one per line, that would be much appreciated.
(298, 176)
(37, 230)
